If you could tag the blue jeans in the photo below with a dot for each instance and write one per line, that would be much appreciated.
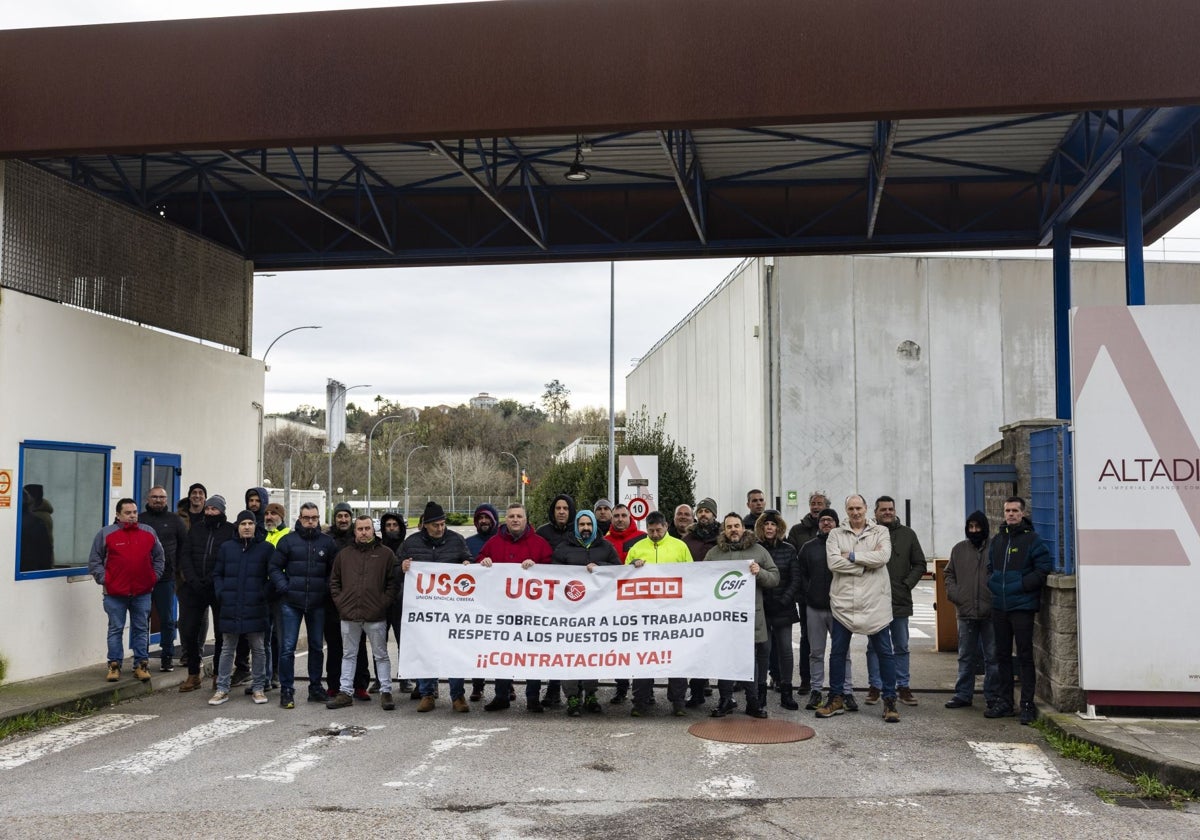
(137, 607)
(163, 596)
(881, 643)
(314, 625)
(429, 687)
(974, 633)
(899, 628)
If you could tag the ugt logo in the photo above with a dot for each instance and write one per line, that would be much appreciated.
(728, 585)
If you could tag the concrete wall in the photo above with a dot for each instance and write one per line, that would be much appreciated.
(894, 372)
(708, 378)
(78, 377)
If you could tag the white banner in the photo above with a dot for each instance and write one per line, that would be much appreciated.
(560, 622)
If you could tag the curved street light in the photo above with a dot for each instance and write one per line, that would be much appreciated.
(370, 436)
(520, 483)
(259, 406)
(406, 463)
(281, 335)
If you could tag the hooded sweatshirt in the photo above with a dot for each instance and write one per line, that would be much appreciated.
(393, 543)
(622, 541)
(551, 532)
(966, 573)
(475, 541)
(264, 499)
(579, 552)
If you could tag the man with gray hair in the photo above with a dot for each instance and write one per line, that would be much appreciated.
(860, 598)
(681, 523)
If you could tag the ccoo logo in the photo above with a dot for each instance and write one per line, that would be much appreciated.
(728, 585)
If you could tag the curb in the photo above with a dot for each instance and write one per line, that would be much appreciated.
(1176, 772)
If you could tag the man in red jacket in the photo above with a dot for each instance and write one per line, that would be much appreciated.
(623, 533)
(127, 560)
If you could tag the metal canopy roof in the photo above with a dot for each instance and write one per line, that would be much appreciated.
(454, 149)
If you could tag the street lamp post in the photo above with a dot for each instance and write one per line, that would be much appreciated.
(370, 437)
(329, 445)
(287, 480)
(391, 449)
(406, 463)
(260, 407)
(520, 483)
(450, 463)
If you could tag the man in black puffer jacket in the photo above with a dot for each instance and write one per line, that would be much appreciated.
(300, 571)
(196, 594)
(815, 581)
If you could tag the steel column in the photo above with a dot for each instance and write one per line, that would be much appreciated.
(1131, 216)
(1062, 321)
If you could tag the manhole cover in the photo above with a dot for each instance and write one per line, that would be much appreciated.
(746, 730)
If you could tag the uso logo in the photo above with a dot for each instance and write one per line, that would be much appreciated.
(634, 589)
(575, 590)
(443, 584)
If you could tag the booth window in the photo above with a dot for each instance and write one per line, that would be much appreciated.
(62, 503)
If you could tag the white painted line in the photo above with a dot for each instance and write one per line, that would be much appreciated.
(304, 755)
(914, 633)
(181, 746)
(64, 737)
(460, 738)
(726, 785)
(1027, 770)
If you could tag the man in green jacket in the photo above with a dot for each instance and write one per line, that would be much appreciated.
(905, 568)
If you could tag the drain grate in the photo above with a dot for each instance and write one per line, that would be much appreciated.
(746, 730)
(336, 730)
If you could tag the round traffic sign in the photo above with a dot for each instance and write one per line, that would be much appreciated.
(639, 509)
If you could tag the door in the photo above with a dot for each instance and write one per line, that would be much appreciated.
(155, 469)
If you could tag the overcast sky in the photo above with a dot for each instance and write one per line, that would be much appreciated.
(425, 336)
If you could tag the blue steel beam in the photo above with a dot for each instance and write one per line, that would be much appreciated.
(1062, 322)
(1131, 218)
(677, 143)
(479, 185)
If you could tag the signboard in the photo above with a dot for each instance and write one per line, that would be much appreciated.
(6, 485)
(639, 509)
(117, 474)
(1137, 492)
(637, 476)
(560, 622)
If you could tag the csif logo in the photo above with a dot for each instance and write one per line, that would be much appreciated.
(635, 589)
(728, 585)
(444, 584)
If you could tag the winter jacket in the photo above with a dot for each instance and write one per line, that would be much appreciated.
(503, 548)
(551, 532)
(341, 539)
(364, 581)
(780, 602)
(622, 541)
(966, 579)
(815, 577)
(666, 550)
(748, 549)
(576, 552)
(422, 548)
(700, 540)
(803, 531)
(905, 567)
(1018, 564)
(860, 596)
(242, 586)
(475, 541)
(301, 565)
(200, 552)
(126, 559)
(171, 533)
(392, 543)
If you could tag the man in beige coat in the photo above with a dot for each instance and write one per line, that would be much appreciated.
(860, 599)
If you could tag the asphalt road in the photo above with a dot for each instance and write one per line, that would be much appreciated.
(169, 765)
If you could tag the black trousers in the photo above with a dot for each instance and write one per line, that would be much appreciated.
(726, 687)
(193, 608)
(1014, 626)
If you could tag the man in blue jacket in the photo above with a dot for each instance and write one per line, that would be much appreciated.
(1018, 564)
(300, 573)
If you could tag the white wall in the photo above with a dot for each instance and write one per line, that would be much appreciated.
(79, 377)
(708, 379)
(855, 415)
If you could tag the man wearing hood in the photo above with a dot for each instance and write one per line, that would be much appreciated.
(363, 584)
(815, 582)
(127, 560)
(196, 594)
(562, 520)
(172, 534)
(623, 534)
(241, 585)
(905, 568)
(300, 571)
(341, 530)
(392, 532)
(433, 542)
(487, 520)
(966, 577)
(860, 599)
(516, 542)
(1018, 565)
(257, 499)
(587, 549)
(736, 543)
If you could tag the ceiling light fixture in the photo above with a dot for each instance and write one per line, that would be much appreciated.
(577, 171)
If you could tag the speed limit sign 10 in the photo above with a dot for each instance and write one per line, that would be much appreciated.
(639, 509)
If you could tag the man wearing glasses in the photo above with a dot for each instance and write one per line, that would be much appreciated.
(171, 533)
(299, 572)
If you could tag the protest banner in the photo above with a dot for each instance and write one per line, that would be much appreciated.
(562, 622)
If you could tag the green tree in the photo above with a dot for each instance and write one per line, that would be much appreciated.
(555, 400)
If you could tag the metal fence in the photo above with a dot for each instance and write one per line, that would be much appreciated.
(1052, 505)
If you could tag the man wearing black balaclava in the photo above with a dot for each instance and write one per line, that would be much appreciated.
(967, 588)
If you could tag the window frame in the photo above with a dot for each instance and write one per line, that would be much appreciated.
(61, 446)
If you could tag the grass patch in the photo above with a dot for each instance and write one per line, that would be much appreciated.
(33, 721)
(1147, 786)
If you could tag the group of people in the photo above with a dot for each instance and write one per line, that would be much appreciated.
(261, 580)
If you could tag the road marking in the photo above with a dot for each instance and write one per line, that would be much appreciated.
(1027, 770)
(461, 737)
(181, 746)
(726, 785)
(304, 755)
(65, 737)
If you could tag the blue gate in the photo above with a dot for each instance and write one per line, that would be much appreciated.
(1052, 505)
